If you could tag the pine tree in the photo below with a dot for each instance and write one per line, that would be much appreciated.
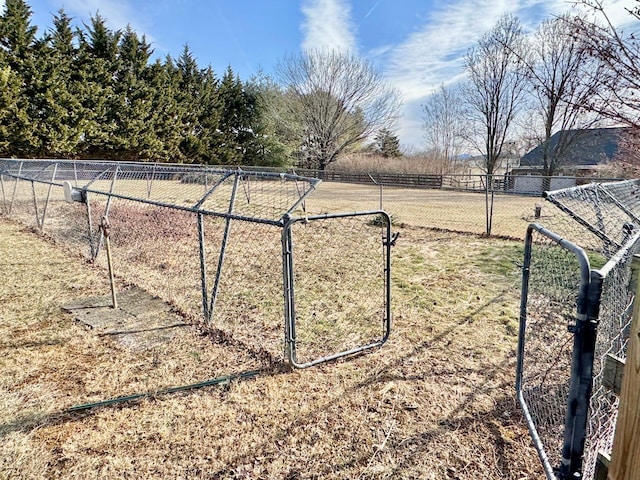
(387, 144)
(60, 120)
(163, 81)
(134, 135)
(97, 64)
(17, 39)
(189, 91)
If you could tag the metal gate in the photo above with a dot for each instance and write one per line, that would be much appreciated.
(337, 285)
(558, 322)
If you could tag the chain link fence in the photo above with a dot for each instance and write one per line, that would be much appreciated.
(226, 248)
(454, 203)
(571, 321)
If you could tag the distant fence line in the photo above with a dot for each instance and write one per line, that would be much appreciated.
(534, 185)
(529, 185)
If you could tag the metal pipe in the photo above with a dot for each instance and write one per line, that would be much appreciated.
(105, 228)
(203, 268)
(15, 186)
(288, 287)
(223, 249)
(4, 198)
(46, 204)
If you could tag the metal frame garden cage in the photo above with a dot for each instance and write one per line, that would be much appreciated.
(196, 227)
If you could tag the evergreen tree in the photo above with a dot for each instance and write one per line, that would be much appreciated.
(60, 116)
(387, 144)
(163, 82)
(9, 93)
(97, 64)
(134, 130)
(189, 91)
(234, 132)
(209, 117)
(17, 39)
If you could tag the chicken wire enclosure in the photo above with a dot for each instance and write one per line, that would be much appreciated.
(604, 220)
(211, 242)
(555, 286)
(606, 212)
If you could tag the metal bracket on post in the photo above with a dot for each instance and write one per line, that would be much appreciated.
(392, 242)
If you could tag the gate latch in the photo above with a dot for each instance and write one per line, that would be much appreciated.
(392, 242)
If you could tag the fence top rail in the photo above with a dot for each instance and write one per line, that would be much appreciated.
(101, 166)
(268, 195)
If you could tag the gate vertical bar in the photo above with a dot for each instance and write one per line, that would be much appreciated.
(223, 248)
(584, 344)
(289, 301)
(388, 241)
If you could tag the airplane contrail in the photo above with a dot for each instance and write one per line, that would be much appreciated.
(372, 8)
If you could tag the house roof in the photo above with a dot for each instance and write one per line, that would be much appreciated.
(584, 147)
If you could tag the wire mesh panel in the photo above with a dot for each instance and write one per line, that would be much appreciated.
(598, 209)
(337, 270)
(555, 281)
(616, 309)
(245, 292)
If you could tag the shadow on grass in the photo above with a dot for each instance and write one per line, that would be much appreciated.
(409, 451)
(27, 422)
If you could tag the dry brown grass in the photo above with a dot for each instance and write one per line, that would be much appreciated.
(445, 209)
(435, 402)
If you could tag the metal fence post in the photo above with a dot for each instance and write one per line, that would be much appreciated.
(203, 268)
(289, 301)
(46, 205)
(4, 198)
(584, 344)
(15, 186)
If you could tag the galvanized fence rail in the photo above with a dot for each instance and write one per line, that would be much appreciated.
(218, 245)
(576, 308)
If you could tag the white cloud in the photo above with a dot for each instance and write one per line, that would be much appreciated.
(328, 25)
(434, 54)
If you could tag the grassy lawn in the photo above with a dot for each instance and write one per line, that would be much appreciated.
(437, 401)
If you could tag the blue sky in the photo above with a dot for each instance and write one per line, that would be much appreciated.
(416, 44)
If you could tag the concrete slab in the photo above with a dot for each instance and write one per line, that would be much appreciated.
(140, 321)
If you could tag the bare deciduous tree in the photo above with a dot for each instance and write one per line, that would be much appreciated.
(618, 77)
(495, 88)
(443, 117)
(339, 99)
(617, 81)
(557, 67)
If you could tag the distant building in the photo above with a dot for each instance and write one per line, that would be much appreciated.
(586, 149)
